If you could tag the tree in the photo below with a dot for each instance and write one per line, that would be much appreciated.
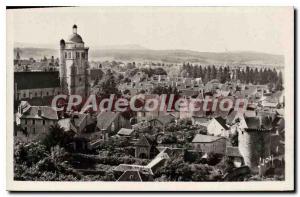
(30, 153)
(177, 170)
(107, 86)
(57, 136)
(279, 84)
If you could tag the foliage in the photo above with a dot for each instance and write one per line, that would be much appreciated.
(223, 74)
(107, 86)
(164, 90)
(32, 162)
(169, 139)
(154, 71)
(179, 170)
(185, 122)
(29, 154)
(225, 165)
(57, 136)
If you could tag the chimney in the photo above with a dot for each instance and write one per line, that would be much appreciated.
(39, 112)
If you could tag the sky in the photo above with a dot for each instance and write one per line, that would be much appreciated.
(210, 29)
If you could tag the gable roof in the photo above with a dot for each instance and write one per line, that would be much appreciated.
(77, 118)
(130, 167)
(144, 141)
(131, 175)
(40, 112)
(104, 119)
(36, 80)
(124, 131)
(222, 122)
(199, 138)
(165, 119)
(232, 151)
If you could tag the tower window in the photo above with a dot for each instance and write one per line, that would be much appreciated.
(66, 55)
(82, 55)
(69, 55)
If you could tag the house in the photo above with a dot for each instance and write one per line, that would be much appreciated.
(145, 147)
(209, 144)
(162, 121)
(149, 110)
(120, 169)
(192, 107)
(35, 121)
(217, 127)
(200, 120)
(234, 154)
(142, 126)
(76, 123)
(165, 154)
(233, 117)
(111, 122)
(134, 176)
(271, 104)
(127, 133)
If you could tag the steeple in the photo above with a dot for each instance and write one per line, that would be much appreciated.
(74, 29)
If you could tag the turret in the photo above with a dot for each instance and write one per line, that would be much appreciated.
(74, 29)
(62, 43)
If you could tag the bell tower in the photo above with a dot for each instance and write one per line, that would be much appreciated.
(74, 75)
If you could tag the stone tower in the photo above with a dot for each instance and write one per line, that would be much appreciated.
(74, 75)
(254, 142)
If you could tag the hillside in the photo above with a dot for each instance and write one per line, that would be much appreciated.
(171, 56)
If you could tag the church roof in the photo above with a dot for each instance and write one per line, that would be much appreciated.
(36, 80)
(76, 38)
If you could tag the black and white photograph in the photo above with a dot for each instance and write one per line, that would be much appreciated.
(150, 98)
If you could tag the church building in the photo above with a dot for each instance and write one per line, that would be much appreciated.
(74, 74)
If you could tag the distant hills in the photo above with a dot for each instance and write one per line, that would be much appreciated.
(138, 53)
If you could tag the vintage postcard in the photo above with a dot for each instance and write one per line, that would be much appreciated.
(150, 99)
